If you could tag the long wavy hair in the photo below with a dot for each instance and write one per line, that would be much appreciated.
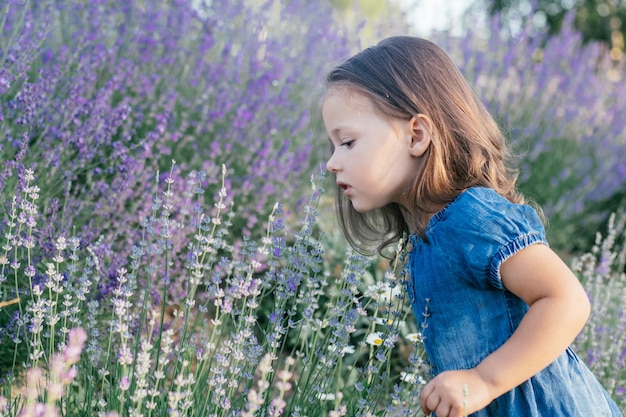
(405, 76)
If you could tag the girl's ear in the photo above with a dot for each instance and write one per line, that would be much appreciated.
(422, 133)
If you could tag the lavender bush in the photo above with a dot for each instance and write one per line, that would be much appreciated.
(96, 96)
(562, 105)
(101, 94)
(602, 344)
(325, 349)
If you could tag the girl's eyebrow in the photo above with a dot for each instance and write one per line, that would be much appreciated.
(336, 131)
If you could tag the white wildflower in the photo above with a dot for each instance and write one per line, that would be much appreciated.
(374, 339)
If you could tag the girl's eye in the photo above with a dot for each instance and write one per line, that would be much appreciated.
(348, 143)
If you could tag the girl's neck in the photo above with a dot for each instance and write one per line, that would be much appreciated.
(419, 221)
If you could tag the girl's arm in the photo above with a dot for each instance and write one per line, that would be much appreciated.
(559, 308)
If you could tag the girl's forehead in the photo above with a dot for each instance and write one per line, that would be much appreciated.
(349, 96)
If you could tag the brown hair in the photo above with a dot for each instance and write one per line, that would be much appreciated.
(406, 76)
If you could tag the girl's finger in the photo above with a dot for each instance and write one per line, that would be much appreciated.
(432, 403)
(426, 391)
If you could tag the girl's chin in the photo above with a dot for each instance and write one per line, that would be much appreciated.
(361, 208)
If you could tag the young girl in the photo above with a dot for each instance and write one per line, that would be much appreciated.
(414, 152)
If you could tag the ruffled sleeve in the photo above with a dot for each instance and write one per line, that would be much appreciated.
(484, 230)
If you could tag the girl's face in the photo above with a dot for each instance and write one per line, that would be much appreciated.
(375, 157)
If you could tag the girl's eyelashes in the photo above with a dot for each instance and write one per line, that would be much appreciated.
(340, 142)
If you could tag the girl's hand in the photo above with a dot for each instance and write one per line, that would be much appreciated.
(455, 394)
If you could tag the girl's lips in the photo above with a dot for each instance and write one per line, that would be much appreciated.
(345, 187)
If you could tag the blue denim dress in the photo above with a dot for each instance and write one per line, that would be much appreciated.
(466, 313)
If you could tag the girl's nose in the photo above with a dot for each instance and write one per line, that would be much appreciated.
(332, 164)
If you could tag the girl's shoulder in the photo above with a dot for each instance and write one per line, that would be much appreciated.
(483, 209)
(474, 201)
(477, 231)
(482, 197)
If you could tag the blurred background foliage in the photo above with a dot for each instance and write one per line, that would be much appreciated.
(601, 20)
(373, 19)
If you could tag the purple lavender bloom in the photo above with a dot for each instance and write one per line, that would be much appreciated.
(98, 98)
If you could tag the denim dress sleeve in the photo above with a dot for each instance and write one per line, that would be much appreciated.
(466, 313)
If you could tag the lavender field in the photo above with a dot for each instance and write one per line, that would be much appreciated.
(167, 245)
